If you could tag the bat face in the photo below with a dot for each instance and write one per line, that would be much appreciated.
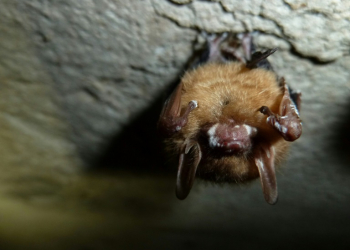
(229, 119)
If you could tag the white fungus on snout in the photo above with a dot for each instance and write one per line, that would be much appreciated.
(213, 139)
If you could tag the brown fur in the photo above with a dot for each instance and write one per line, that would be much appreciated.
(230, 91)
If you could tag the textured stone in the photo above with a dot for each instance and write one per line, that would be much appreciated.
(325, 23)
(34, 136)
(101, 67)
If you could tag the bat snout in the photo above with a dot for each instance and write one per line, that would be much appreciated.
(230, 138)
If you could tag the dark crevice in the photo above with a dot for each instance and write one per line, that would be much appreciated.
(143, 70)
(91, 93)
(317, 13)
(115, 80)
(42, 37)
(312, 59)
(280, 27)
(179, 4)
(288, 6)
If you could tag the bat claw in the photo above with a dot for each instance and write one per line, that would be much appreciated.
(266, 111)
(258, 59)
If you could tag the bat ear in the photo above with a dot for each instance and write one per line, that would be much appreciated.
(264, 160)
(287, 122)
(188, 162)
(170, 120)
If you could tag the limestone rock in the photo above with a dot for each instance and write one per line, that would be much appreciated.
(325, 23)
(76, 74)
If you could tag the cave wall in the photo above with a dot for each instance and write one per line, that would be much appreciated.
(79, 80)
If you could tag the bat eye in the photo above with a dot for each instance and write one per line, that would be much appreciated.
(225, 102)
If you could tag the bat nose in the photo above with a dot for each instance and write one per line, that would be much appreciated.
(230, 138)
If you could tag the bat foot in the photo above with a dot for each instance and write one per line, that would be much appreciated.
(287, 122)
(171, 124)
(225, 47)
(214, 46)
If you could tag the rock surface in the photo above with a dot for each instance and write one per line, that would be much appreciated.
(79, 81)
(314, 29)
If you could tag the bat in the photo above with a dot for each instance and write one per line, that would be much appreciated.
(231, 117)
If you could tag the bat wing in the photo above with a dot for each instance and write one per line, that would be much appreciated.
(264, 160)
(170, 120)
(188, 162)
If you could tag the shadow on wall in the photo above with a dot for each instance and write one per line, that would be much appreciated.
(340, 139)
(138, 148)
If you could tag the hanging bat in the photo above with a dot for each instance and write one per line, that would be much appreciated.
(231, 118)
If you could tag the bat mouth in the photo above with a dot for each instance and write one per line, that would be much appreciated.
(229, 138)
(230, 147)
